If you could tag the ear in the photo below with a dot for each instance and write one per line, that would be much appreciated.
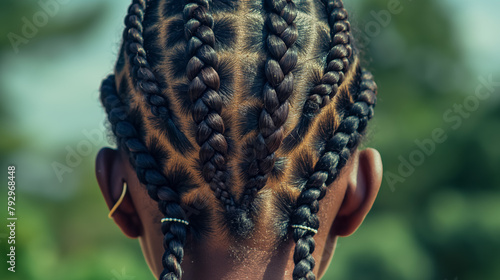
(111, 174)
(363, 185)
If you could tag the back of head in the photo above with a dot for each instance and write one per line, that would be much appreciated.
(240, 109)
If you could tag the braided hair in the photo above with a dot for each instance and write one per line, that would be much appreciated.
(256, 86)
(149, 174)
(281, 61)
(204, 84)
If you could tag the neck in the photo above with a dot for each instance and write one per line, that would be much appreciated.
(239, 263)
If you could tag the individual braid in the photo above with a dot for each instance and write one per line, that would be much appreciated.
(144, 79)
(338, 56)
(203, 91)
(150, 174)
(337, 64)
(276, 93)
(332, 159)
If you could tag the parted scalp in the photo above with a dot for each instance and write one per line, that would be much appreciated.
(215, 101)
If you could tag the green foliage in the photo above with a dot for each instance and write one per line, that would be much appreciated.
(13, 12)
(440, 223)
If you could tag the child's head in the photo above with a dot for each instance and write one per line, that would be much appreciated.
(237, 124)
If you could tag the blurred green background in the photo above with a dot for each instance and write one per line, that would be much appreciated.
(437, 214)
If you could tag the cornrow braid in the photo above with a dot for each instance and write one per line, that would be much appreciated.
(145, 80)
(337, 64)
(203, 91)
(332, 159)
(277, 90)
(150, 174)
(201, 65)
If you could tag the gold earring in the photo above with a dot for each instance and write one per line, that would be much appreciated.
(120, 200)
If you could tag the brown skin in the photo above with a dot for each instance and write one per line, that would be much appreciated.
(342, 211)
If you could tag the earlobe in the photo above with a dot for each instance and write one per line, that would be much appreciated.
(363, 186)
(111, 176)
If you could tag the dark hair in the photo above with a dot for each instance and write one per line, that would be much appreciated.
(238, 104)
